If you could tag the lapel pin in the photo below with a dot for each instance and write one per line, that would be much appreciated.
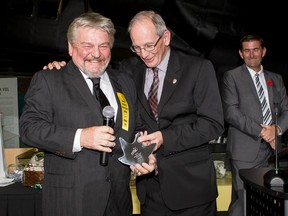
(174, 81)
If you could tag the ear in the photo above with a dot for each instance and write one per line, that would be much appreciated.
(70, 48)
(264, 52)
(167, 37)
(240, 53)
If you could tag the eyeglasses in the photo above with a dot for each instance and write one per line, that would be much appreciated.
(147, 47)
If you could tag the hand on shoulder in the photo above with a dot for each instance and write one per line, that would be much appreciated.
(55, 64)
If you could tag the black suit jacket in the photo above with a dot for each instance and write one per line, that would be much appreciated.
(190, 115)
(57, 104)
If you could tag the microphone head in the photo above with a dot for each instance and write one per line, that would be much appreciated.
(108, 112)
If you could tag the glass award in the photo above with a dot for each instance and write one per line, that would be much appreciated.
(135, 152)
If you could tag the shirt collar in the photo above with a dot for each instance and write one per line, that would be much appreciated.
(252, 72)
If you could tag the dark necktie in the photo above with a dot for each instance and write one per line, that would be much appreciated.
(152, 95)
(267, 117)
(100, 96)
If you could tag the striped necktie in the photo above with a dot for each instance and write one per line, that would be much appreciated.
(152, 95)
(266, 112)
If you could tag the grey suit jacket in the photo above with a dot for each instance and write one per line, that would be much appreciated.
(57, 104)
(190, 115)
(242, 110)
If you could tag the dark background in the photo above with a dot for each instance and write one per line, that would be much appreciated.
(33, 32)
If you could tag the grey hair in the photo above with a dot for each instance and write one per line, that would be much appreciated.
(155, 18)
(91, 20)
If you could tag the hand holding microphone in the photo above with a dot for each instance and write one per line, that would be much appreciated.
(108, 120)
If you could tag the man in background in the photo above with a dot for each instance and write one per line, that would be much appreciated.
(250, 94)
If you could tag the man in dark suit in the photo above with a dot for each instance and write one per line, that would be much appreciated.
(251, 139)
(62, 117)
(189, 115)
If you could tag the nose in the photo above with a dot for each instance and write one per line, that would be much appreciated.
(95, 52)
(143, 53)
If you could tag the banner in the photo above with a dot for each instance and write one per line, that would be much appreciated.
(2, 158)
(9, 111)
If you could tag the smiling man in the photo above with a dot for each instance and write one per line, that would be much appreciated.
(249, 94)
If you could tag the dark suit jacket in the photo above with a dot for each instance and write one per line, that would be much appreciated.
(57, 104)
(190, 115)
(243, 113)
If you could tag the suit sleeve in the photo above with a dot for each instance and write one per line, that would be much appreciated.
(37, 125)
(281, 95)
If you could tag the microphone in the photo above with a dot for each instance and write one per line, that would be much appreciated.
(276, 177)
(108, 120)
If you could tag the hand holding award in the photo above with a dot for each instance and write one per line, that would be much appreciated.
(135, 152)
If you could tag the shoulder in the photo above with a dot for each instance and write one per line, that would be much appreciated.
(132, 61)
(132, 65)
(189, 62)
(273, 74)
(235, 71)
(185, 56)
(118, 75)
(55, 75)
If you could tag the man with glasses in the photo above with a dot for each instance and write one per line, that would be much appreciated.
(183, 112)
(189, 115)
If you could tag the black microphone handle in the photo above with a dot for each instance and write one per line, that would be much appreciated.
(104, 155)
(103, 159)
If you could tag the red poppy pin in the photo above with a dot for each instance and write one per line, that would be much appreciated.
(269, 82)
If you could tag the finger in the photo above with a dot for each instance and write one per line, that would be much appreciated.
(145, 168)
(108, 144)
(105, 149)
(50, 66)
(148, 167)
(57, 65)
(134, 172)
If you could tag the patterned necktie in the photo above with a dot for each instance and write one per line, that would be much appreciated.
(100, 96)
(152, 95)
(267, 117)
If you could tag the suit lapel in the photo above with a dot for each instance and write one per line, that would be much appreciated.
(140, 81)
(249, 82)
(173, 75)
(75, 80)
(117, 88)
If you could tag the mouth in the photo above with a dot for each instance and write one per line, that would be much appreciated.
(95, 60)
(148, 60)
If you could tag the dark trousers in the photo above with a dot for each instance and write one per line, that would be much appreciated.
(236, 207)
(155, 206)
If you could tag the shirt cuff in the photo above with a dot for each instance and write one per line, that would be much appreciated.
(76, 144)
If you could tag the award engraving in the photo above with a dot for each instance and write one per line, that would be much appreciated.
(135, 152)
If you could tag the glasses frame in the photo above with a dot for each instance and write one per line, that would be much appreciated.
(145, 46)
